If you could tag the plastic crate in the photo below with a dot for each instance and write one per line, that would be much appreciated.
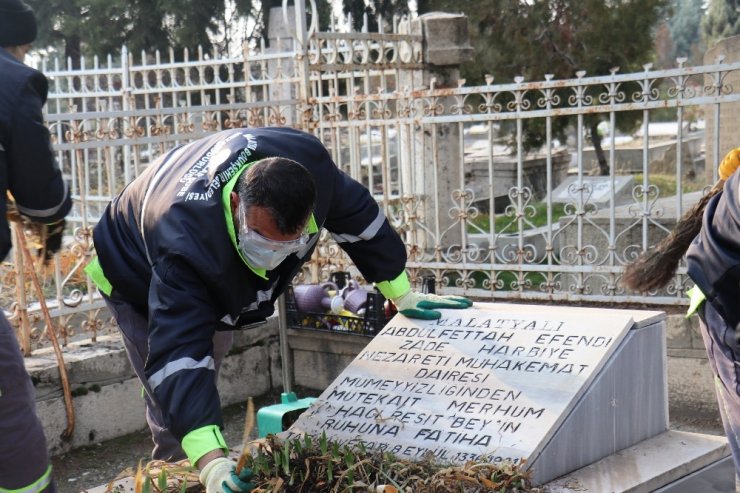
(368, 325)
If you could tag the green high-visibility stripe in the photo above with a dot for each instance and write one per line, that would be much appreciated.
(199, 442)
(95, 271)
(696, 298)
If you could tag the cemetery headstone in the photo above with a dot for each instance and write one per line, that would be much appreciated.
(482, 382)
(595, 190)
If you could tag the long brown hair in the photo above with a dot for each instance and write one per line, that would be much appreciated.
(656, 266)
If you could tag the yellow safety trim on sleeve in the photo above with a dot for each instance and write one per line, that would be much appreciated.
(729, 163)
(199, 442)
(696, 298)
(395, 288)
(39, 485)
(95, 271)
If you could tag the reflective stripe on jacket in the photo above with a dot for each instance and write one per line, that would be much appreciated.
(163, 246)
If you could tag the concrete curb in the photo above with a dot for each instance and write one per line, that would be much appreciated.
(107, 395)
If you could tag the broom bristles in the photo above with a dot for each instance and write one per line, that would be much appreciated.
(656, 267)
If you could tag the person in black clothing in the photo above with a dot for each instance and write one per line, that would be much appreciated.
(708, 236)
(29, 173)
(203, 242)
(713, 263)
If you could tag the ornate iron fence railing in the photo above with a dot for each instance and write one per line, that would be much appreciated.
(493, 187)
(487, 216)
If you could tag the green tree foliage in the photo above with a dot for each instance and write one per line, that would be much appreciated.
(63, 23)
(101, 27)
(384, 8)
(559, 37)
(722, 20)
(556, 37)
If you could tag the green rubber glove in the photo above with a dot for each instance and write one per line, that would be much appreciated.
(219, 476)
(419, 305)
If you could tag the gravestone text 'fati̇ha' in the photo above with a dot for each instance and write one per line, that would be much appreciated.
(481, 381)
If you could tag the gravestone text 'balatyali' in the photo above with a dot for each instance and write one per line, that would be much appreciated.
(477, 382)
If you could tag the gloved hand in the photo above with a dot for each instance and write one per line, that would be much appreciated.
(219, 476)
(729, 163)
(419, 305)
(52, 235)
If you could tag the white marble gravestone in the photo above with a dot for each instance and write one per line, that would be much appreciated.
(494, 380)
(595, 189)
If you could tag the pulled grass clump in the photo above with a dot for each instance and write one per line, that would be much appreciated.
(304, 465)
(308, 465)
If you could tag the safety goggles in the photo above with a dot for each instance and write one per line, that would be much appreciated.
(253, 237)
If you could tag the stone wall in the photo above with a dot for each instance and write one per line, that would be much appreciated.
(107, 395)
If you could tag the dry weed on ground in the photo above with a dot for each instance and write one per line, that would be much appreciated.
(309, 465)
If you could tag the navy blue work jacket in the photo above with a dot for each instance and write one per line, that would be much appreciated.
(163, 246)
(27, 166)
(713, 259)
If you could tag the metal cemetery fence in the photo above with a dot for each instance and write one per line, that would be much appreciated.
(482, 212)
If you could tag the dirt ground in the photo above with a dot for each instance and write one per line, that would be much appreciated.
(99, 464)
(93, 466)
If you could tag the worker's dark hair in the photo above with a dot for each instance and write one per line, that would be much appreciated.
(282, 186)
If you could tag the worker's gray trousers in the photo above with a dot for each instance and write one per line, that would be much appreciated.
(724, 355)
(134, 331)
(24, 459)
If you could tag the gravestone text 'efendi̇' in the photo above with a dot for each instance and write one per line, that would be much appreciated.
(484, 381)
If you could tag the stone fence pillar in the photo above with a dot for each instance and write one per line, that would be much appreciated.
(281, 36)
(445, 46)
